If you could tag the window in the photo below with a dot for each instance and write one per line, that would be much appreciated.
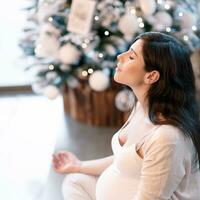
(12, 20)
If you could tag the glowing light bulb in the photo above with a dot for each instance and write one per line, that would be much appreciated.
(168, 29)
(50, 19)
(96, 18)
(100, 55)
(185, 38)
(159, 1)
(133, 11)
(194, 28)
(180, 14)
(167, 6)
(87, 41)
(106, 33)
(51, 67)
(139, 19)
(90, 70)
(141, 25)
(84, 45)
(84, 73)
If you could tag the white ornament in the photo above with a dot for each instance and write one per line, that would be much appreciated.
(51, 92)
(162, 21)
(64, 67)
(148, 7)
(69, 54)
(128, 25)
(38, 87)
(50, 76)
(47, 46)
(111, 50)
(188, 20)
(99, 81)
(47, 8)
(124, 100)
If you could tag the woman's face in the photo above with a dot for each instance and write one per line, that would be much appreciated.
(130, 68)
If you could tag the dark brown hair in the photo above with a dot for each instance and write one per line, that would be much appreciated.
(174, 94)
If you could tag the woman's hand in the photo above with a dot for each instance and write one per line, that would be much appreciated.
(66, 162)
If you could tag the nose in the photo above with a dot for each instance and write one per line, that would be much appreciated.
(120, 57)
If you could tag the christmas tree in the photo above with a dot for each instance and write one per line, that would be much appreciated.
(70, 41)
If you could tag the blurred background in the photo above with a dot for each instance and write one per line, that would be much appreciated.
(56, 78)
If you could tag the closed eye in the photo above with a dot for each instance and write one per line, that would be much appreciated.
(131, 58)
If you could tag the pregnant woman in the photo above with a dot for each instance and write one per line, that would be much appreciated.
(156, 154)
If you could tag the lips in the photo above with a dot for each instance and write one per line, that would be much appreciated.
(118, 69)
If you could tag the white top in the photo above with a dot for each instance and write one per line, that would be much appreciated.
(164, 173)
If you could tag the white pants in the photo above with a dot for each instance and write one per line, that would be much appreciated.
(77, 186)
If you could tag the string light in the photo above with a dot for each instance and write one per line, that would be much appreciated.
(37, 49)
(84, 73)
(90, 71)
(50, 19)
(87, 41)
(194, 28)
(168, 29)
(106, 33)
(180, 14)
(96, 18)
(84, 45)
(167, 6)
(185, 38)
(159, 1)
(141, 25)
(51, 67)
(100, 55)
(139, 19)
(133, 11)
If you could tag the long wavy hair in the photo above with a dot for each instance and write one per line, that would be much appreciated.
(174, 94)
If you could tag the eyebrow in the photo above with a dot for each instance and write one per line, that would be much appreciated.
(134, 51)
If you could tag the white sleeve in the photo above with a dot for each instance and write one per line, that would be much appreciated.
(162, 169)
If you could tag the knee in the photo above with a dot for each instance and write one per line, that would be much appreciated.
(73, 179)
(77, 179)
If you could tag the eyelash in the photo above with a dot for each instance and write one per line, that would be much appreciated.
(131, 58)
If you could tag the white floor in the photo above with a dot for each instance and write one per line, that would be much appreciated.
(31, 129)
(28, 127)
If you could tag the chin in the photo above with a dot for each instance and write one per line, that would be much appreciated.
(118, 80)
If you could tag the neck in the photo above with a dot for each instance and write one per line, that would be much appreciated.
(140, 93)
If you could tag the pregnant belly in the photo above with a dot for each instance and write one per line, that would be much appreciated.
(114, 185)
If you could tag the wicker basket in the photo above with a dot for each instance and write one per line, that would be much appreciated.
(94, 108)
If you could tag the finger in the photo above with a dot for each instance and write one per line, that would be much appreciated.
(58, 165)
(60, 156)
(64, 157)
(55, 159)
(62, 162)
(55, 166)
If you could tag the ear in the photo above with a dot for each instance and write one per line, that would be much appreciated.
(151, 77)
